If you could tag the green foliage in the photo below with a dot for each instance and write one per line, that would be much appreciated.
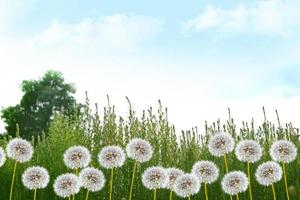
(41, 99)
(95, 132)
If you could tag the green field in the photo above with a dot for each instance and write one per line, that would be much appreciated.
(95, 131)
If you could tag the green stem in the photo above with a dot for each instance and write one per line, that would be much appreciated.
(227, 169)
(132, 180)
(206, 193)
(13, 180)
(76, 172)
(87, 195)
(34, 195)
(285, 181)
(189, 198)
(171, 195)
(249, 179)
(274, 193)
(111, 183)
(69, 197)
(154, 195)
(237, 197)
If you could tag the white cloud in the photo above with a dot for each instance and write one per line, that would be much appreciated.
(12, 10)
(119, 31)
(266, 17)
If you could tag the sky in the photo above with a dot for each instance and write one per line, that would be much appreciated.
(198, 57)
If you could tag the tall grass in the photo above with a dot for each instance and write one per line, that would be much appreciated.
(94, 132)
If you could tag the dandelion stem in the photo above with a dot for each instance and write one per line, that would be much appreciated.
(69, 197)
(189, 198)
(111, 183)
(226, 168)
(132, 180)
(87, 195)
(34, 195)
(76, 172)
(274, 193)
(237, 197)
(285, 181)
(13, 180)
(249, 179)
(205, 189)
(171, 195)
(154, 195)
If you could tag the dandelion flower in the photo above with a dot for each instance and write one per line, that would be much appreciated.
(66, 185)
(283, 151)
(234, 182)
(248, 151)
(173, 174)
(111, 157)
(268, 173)
(187, 185)
(139, 150)
(77, 157)
(35, 178)
(206, 171)
(19, 150)
(2, 157)
(220, 144)
(155, 178)
(92, 179)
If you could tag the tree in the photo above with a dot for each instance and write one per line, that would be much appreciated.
(41, 99)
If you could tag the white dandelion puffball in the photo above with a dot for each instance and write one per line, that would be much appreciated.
(248, 151)
(283, 151)
(187, 185)
(2, 157)
(173, 174)
(66, 185)
(111, 157)
(35, 178)
(77, 157)
(19, 149)
(235, 182)
(268, 173)
(139, 150)
(92, 179)
(155, 178)
(206, 171)
(220, 144)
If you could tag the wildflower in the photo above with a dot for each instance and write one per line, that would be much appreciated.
(155, 178)
(66, 185)
(173, 174)
(206, 171)
(220, 144)
(2, 157)
(139, 150)
(35, 178)
(77, 157)
(234, 182)
(92, 179)
(283, 151)
(248, 151)
(111, 157)
(19, 150)
(187, 185)
(268, 173)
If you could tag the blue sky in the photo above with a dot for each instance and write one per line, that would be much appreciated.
(205, 55)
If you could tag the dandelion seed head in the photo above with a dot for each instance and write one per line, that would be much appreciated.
(220, 144)
(234, 182)
(248, 151)
(268, 173)
(139, 150)
(77, 157)
(2, 157)
(173, 174)
(206, 171)
(92, 179)
(111, 157)
(20, 150)
(35, 178)
(283, 151)
(187, 185)
(155, 178)
(66, 185)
